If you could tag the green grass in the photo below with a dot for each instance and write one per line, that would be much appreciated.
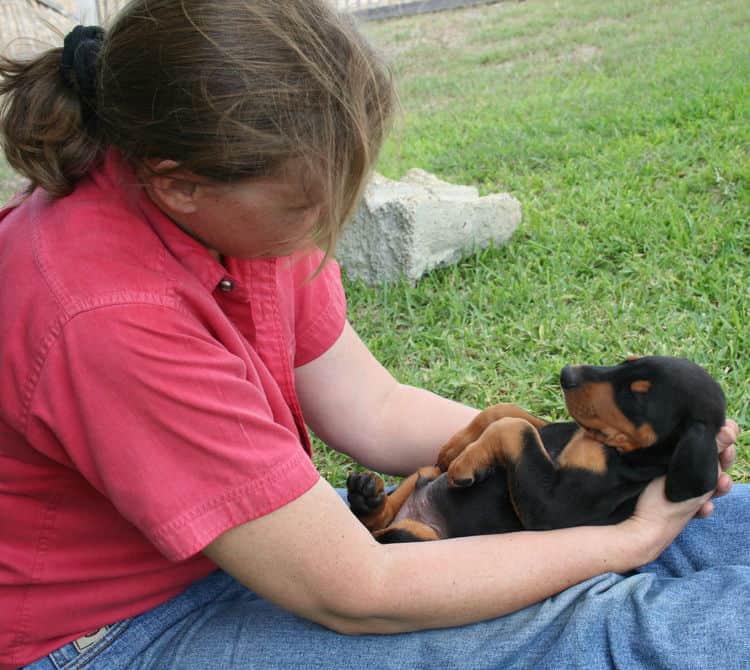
(7, 181)
(623, 128)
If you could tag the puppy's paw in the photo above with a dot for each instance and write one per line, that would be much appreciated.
(365, 493)
(462, 473)
(452, 449)
(426, 475)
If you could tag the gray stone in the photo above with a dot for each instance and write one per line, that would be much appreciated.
(406, 228)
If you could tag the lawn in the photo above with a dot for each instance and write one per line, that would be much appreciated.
(624, 130)
(9, 182)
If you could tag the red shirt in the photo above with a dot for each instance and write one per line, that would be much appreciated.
(147, 404)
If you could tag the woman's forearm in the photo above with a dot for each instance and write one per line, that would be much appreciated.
(313, 558)
(356, 406)
(455, 582)
(413, 425)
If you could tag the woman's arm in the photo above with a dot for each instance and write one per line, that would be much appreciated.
(355, 406)
(314, 558)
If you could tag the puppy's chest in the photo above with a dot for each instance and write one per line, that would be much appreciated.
(602, 469)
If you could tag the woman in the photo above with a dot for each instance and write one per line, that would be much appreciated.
(169, 329)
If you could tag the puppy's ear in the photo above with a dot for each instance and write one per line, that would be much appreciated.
(694, 467)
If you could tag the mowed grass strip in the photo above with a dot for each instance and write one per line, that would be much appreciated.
(623, 128)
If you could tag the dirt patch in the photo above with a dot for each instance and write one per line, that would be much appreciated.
(581, 55)
(584, 53)
(448, 30)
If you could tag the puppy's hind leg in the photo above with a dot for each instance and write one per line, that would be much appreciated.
(406, 530)
(369, 502)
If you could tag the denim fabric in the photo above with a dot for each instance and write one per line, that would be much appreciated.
(689, 609)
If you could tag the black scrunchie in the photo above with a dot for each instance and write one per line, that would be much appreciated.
(78, 66)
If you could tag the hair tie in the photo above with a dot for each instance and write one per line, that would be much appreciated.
(78, 67)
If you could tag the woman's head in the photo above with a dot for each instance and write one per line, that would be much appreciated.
(229, 91)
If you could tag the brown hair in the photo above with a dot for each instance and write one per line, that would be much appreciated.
(229, 90)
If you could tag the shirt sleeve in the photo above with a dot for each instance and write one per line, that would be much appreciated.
(167, 424)
(320, 306)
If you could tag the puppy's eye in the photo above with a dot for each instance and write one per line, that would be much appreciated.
(640, 386)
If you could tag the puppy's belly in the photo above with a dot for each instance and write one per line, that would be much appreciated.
(420, 506)
(456, 512)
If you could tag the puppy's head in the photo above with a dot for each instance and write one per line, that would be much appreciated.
(654, 401)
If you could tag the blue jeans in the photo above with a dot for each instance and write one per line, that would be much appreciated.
(689, 609)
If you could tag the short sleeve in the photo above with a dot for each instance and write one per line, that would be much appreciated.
(320, 306)
(168, 424)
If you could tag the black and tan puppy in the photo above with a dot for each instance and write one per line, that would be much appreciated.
(508, 470)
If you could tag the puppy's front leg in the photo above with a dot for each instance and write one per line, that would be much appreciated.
(466, 436)
(502, 442)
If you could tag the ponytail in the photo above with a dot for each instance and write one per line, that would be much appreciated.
(47, 127)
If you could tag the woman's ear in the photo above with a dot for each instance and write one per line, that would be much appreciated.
(173, 190)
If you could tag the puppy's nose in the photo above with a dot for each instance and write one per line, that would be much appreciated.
(569, 377)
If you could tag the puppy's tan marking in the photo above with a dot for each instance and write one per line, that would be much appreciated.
(584, 453)
(417, 528)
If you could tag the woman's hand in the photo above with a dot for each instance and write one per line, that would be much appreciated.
(727, 454)
(656, 521)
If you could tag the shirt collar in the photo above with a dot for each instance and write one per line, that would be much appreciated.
(119, 175)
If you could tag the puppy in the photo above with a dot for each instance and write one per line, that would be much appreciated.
(508, 470)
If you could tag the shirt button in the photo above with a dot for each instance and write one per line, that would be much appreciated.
(226, 285)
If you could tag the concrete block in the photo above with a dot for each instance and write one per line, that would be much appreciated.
(404, 229)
